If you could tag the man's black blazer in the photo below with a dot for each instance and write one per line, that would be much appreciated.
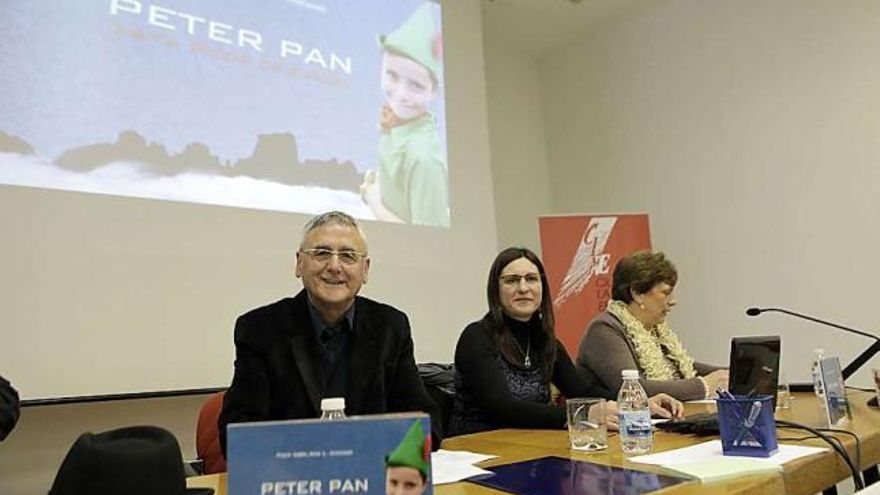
(279, 372)
(9, 408)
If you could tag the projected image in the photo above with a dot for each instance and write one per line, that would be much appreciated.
(288, 105)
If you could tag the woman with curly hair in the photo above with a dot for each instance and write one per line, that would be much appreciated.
(633, 334)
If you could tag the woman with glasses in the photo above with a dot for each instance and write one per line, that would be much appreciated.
(506, 362)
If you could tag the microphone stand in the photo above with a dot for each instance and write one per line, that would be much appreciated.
(852, 367)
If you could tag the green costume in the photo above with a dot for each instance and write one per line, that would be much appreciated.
(412, 168)
(416, 38)
(413, 451)
(412, 160)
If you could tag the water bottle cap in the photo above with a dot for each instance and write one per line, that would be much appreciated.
(630, 374)
(333, 404)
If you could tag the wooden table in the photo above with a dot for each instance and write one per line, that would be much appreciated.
(801, 477)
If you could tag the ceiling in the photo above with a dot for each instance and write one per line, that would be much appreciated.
(537, 27)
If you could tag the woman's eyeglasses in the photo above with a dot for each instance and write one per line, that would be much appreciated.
(514, 280)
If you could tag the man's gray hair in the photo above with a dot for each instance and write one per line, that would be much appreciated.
(332, 218)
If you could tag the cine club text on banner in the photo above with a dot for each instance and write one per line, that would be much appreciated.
(579, 254)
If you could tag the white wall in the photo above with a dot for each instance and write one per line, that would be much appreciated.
(439, 300)
(520, 172)
(749, 131)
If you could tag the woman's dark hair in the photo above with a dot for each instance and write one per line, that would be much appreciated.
(639, 272)
(509, 350)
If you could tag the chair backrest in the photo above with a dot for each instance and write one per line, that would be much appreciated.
(594, 383)
(439, 380)
(208, 435)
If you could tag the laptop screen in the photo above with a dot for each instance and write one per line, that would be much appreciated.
(754, 365)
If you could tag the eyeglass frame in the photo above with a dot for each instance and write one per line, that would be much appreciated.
(347, 257)
(514, 280)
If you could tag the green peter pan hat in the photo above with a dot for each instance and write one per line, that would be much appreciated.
(419, 39)
(413, 451)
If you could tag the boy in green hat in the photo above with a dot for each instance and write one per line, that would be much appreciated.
(413, 182)
(406, 467)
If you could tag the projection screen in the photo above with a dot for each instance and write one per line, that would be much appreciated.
(159, 159)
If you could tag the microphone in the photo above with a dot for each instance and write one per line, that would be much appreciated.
(852, 367)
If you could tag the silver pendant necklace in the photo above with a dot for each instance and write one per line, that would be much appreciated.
(527, 361)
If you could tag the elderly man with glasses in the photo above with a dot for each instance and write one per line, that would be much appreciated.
(324, 342)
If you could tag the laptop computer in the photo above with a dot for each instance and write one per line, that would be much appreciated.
(754, 370)
(754, 366)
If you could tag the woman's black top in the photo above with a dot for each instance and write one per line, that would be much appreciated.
(492, 393)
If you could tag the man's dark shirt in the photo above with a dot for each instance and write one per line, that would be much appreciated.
(334, 342)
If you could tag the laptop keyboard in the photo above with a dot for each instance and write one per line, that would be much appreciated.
(697, 424)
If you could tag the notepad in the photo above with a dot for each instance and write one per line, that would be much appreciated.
(721, 469)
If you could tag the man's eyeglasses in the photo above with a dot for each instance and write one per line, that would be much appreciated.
(514, 280)
(346, 257)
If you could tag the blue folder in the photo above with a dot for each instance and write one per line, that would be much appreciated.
(558, 476)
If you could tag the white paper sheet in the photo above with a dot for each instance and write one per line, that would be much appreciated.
(450, 473)
(464, 456)
(449, 466)
(871, 490)
(712, 449)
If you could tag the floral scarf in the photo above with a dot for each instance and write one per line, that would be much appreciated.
(650, 345)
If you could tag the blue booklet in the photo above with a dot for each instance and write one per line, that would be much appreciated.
(558, 476)
(356, 455)
(836, 402)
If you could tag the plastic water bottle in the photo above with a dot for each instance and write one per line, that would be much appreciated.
(817, 376)
(636, 433)
(333, 408)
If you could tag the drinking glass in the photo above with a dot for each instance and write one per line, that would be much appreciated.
(876, 373)
(783, 395)
(587, 426)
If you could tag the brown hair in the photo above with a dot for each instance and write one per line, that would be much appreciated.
(639, 272)
(545, 310)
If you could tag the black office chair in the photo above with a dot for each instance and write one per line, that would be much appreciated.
(595, 383)
(439, 380)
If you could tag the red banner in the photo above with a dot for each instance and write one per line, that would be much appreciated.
(579, 253)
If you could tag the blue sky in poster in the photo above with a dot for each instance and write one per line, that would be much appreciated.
(73, 74)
